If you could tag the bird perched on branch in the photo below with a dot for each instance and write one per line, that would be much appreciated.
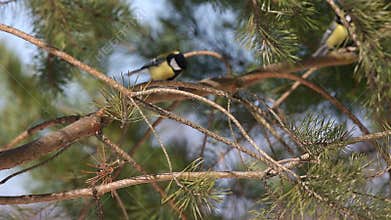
(334, 36)
(165, 67)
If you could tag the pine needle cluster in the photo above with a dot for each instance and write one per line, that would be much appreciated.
(272, 26)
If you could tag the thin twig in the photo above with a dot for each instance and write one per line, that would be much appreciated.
(233, 133)
(380, 173)
(157, 136)
(98, 203)
(140, 169)
(204, 140)
(257, 114)
(149, 131)
(203, 130)
(68, 58)
(34, 166)
(269, 142)
(85, 210)
(223, 155)
(286, 129)
(121, 205)
(212, 54)
(264, 156)
(295, 85)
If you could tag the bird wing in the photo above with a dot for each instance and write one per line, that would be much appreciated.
(321, 51)
(154, 62)
(327, 34)
(323, 48)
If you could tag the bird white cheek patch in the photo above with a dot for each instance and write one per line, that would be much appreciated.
(348, 18)
(175, 65)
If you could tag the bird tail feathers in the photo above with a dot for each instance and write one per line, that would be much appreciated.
(322, 51)
(136, 70)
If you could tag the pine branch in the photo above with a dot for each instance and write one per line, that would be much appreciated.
(144, 179)
(66, 57)
(231, 85)
(264, 156)
(245, 80)
(258, 116)
(88, 192)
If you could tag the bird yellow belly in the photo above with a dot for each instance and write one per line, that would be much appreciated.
(161, 72)
(338, 36)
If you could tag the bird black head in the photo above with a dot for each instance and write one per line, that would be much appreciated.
(177, 61)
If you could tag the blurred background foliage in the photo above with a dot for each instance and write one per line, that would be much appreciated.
(247, 33)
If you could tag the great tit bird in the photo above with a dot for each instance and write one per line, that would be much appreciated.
(165, 68)
(335, 35)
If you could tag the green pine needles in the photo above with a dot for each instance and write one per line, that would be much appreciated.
(316, 132)
(333, 184)
(196, 195)
(118, 106)
(269, 28)
(372, 25)
(340, 187)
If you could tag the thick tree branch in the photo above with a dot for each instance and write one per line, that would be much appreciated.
(33, 166)
(39, 127)
(86, 126)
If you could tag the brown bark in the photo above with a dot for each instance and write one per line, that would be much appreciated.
(84, 127)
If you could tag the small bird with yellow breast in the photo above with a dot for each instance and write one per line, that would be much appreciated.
(164, 68)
